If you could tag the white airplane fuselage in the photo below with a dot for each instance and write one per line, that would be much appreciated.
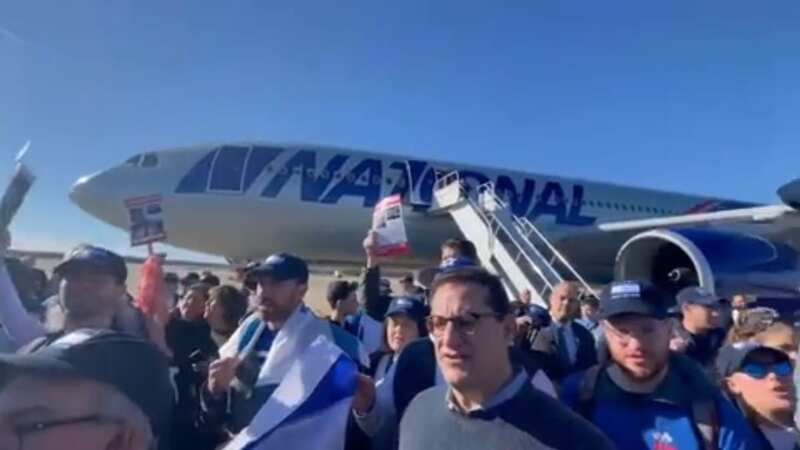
(247, 200)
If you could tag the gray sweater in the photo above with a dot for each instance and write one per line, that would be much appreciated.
(528, 420)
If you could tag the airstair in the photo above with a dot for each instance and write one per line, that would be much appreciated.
(508, 245)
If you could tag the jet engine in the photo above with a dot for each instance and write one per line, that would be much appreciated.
(726, 262)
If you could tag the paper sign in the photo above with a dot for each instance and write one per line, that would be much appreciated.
(17, 189)
(146, 219)
(387, 222)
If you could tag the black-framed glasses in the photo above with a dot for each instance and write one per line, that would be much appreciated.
(27, 433)
(760, 371)
(465, 324)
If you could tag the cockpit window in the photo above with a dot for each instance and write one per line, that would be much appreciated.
(134, 161)
(149, 160)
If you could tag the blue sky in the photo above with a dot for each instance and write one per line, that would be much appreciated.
(689, 96)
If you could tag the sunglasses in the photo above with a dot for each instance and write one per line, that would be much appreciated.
(760, 371)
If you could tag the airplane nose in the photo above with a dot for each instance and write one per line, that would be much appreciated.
(100, 196)
(81, 192)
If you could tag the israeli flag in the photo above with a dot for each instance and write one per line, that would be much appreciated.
(310, 407)
(316, 382)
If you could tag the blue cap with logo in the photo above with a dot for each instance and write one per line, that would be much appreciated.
(408, 305)
(732, 357)
(281, 267)
(632, 297)
(449, 265)
(135, 367)
(98, 258)
(695, 295)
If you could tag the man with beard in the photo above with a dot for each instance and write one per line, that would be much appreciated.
(644, 397)
(91, 289)
(261, 354)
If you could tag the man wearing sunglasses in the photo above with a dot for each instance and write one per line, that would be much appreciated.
(759, 380)
(646, 397)
(487, 403)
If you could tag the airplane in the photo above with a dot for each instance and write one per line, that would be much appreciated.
(246, 200)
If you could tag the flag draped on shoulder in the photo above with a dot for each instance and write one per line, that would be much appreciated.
(315, 380)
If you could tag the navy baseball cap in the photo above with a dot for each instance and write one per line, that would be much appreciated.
(426, 276)
(98, 258)
(632, 297)
(732, 357)
(280, 267)
(410, 306)
(133, 366)
(694, 295)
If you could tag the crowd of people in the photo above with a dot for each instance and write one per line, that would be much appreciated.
(445, 361)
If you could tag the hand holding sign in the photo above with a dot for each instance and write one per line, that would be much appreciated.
(389, 229)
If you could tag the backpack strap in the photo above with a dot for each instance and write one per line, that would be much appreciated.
(586, 390)
(706, 419)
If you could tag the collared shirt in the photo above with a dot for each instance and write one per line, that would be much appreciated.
(506, 393)
(587, 323)
(565, 337)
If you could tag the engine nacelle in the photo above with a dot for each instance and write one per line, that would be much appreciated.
(725, 262)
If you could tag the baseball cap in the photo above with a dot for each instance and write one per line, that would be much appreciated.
(632, 297)
(427, 275)
(97, 257)
(694, 295)
(732, 357)
(410, 306)
(133, 366)
(281, 266)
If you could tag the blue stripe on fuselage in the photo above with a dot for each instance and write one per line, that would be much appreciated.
(365, 181)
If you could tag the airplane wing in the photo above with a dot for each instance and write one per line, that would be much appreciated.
(780, 216)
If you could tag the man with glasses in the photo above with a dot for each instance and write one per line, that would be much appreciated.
(645, 397)
(487, 402)
(90, 389)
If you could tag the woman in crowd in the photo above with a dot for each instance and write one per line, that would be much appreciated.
(751, 322)
(780, 335)
(225, 308)
(405, 321)
(759, 380)
(762, 325)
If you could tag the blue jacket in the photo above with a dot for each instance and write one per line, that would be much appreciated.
(661, 420)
